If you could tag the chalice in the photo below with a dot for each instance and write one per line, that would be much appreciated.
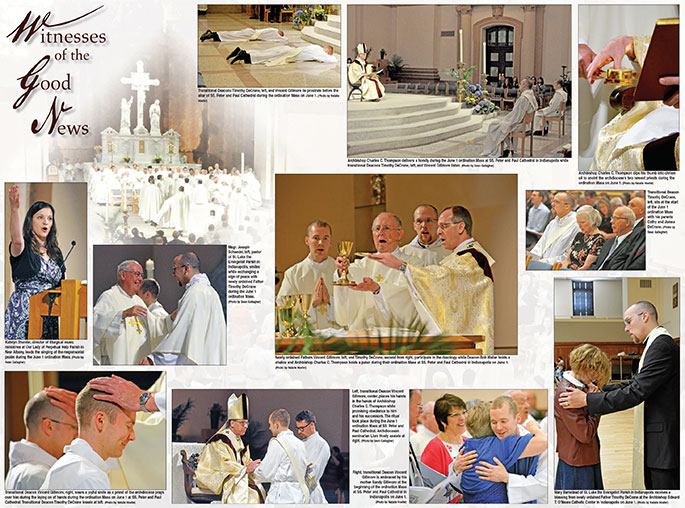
(286, 317)
(344, 250)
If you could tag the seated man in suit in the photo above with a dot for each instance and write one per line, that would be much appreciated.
(625, 251)
(657, 384)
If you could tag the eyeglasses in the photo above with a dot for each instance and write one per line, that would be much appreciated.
(384, 229)
(137, 274)
(629, 320)
(421, 222)
(444, 226)
(303, 426)
(62, 423)
(175, 268)
(619, 218)
(244, 423)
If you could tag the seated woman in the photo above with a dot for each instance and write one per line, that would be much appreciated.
(577, 442)
(507, 450)
(37, 264)
(440, 452)
(604, 208)
(586, 244)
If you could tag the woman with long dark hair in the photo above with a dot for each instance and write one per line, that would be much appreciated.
(37, 264)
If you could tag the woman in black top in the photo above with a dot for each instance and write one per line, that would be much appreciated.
(37, 264)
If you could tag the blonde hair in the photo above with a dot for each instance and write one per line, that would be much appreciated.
(478, 420)
(589, 359)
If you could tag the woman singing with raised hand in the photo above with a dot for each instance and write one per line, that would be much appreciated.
(37, 264)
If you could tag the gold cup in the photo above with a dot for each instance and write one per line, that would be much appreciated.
(286, 317)
(345, 250)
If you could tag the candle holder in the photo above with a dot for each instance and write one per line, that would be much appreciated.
(484, 80)
(461, 82)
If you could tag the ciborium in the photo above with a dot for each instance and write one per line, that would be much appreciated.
(345, 250)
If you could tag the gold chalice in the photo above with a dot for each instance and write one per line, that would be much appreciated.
(345, 250)
(619, 77)
(286, 317)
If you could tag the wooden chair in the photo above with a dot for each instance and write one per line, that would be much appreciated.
(510, 96)
(286, 10)
(353, 87)
(560, 118)
(194, 493)
(528, 258)
(524, 133)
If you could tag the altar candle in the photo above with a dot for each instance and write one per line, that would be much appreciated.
(484, 62)
(242, 162)
(150, 269)
(461, 45)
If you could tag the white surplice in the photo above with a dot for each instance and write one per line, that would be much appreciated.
(277, 469)
(29, 465)
(318, 453)
(80, 468)
(555, 242)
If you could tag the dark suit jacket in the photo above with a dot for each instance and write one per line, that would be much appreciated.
(658, 385)
(629, 255)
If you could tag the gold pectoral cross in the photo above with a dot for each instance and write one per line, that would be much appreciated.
(379, 278)
(137, 322)
(321, 309)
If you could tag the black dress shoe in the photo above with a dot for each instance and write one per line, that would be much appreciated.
(242, 56)
(206, 35)
(234, 53)
(537, 133)
(506, 153)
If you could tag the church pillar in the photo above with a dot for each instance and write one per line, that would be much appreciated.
(539, 32)
(466, 24)
(528, 41)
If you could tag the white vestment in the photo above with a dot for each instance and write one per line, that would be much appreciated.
(150, 201)
(29, 465)
(392, 307)
(198, 334)
(301, 278)
(200, 195)
(359, 72)
(279, 55)
(433, 253)
(318, 453)
(277, 469)
(499, 130)
(118, 341)
(159, 327)
(420, 439)
(552, 110)
(250, 34)
(80, 468)
(555, 242)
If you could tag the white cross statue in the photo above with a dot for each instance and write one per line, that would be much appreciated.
(140, 82)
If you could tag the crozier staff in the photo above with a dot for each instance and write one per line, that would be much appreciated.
(37, 264)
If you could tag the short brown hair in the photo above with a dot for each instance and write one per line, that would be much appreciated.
(589, 359)
(321, 224)
(444, 406)
(87, 406)
(281, 416)
(478, 421)
(505, 400)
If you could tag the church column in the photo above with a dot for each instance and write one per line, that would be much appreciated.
(466, 24)
(528, 41)
(539, 41)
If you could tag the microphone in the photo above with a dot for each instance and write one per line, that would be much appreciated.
(63, 267)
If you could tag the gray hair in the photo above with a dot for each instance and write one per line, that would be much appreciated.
(627, 213)
(526, 83)
(125, 265)
(593, 216)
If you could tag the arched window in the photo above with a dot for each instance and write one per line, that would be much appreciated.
(499, 51)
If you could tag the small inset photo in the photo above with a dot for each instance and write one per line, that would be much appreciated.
(617, 378)
(85, 430)
(159, 304)
(268, 46)
(261, 446)
(45, 278)
(478, 446)
(586, 230)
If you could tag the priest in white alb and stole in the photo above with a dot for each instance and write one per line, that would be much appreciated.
(380, 298)
(313, 276)
(456, 297)
(225, 466)
(555, 242)
(121, 331)
(198, 333)
(553, 109)
(360, 72)
(499, 130)
(318, 450)
(280, 55)
(426, 244)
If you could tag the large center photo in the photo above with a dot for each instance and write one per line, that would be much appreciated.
(396, 264)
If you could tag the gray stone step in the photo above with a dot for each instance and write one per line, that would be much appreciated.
(309, 34)
(400, 109)
(333, 21)
(355, 148)
(452, 110)
(323, 28)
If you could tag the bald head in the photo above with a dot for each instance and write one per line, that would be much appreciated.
(39, 407)
(562, 204)
(637, 205)
(387, 232)
(48, 426)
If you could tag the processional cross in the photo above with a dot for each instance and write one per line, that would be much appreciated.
(140, 83)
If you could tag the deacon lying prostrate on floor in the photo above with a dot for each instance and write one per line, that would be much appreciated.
(246, 34)
(198, 334)
(279, 55)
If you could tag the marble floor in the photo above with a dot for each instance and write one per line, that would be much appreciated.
(218, 73)
(470, 145)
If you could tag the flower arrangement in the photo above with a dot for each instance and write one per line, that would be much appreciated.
(157, 160)
(127, 159)
(485, 107)
(97, 148)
